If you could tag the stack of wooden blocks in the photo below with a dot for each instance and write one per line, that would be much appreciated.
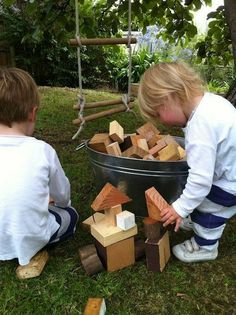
(147, 143)
(157, 246)
(113, 231)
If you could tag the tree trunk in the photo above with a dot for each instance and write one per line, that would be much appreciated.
(230, 12)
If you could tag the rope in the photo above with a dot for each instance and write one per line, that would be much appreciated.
(130, 49)
(126, 97)
(81, 98)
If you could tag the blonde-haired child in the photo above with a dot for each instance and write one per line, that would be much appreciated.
(31, 175)
(174, 94)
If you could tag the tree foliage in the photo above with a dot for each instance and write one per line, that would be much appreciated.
(40, 30)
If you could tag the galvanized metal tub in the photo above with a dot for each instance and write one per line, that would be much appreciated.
(134, 176)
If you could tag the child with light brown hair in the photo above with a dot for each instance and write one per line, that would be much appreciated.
(174, 94)
(31, 175)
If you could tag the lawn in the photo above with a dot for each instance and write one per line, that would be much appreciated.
(63, 288)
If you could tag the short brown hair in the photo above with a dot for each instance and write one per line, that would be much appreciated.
(18, 95)
(167, 78)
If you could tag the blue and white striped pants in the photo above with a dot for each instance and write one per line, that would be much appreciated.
(209, 221)
(67, 218)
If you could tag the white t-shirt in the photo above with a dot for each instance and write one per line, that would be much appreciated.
(30, 172)
(210, 143)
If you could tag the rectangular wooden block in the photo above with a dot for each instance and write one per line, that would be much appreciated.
(97, 217)
(34, 267)
(148, 130)
(116, 131)
(114, 149)
(155, 203)
(142, 143)
(169, 153)
(135, 152)
(149, 157)
(99, 142)
(110, 214)
(152, 142)
(107, 234)
(157, 253)
(182, 152)
(125, 220)
(118, 255)
(159, 146)
(95, 306)
(126, 144)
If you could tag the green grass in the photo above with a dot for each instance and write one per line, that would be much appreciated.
(63, 288)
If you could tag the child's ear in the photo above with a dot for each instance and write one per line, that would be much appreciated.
(32, 114)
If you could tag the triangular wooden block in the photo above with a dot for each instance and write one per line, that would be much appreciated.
(109, 197)
(155, 203)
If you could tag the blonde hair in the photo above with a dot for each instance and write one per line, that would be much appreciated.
(167, 78)
(18, 95)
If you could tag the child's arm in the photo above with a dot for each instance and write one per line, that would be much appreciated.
(59, 186)
(170, 216)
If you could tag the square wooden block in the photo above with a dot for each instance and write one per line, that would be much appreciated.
(125, 220)
(107, 234)
(118, 255)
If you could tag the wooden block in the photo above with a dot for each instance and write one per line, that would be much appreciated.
(34, 267)
(157, 253)
(148, 130)
(90, 259)
(110, 214)
(182, 152)
(99, 142)
(134, 152)
(139, 249)
(142, 143)
(116, 132)
(169, 153)
(118, 255)
(169, 139)
(114, 149)
(95, 306)
(152, 142)
(126, 144)
(97, 217)
(107, 234)
(152, 228)
(134, 89)
(109, 197)
(135, 138)
(155, 203)
(159, 146)
(125, 220)
(149, 157)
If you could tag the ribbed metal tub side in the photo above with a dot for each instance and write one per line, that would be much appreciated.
(134, 176)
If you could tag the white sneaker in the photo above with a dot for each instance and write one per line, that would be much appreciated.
(189, 251)
(186, 224)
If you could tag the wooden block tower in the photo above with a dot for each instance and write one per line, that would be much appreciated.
(157, 246)
(114, 233)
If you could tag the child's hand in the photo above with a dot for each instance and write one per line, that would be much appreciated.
(170, 216)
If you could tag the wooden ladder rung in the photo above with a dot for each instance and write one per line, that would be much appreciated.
(104, 113)
(102, 103)
(102, 41)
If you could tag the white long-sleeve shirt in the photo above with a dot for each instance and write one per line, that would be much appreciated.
(210, 143)
(30, 172)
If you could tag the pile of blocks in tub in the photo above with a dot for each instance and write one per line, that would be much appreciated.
(114, 231)
(147, 143)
